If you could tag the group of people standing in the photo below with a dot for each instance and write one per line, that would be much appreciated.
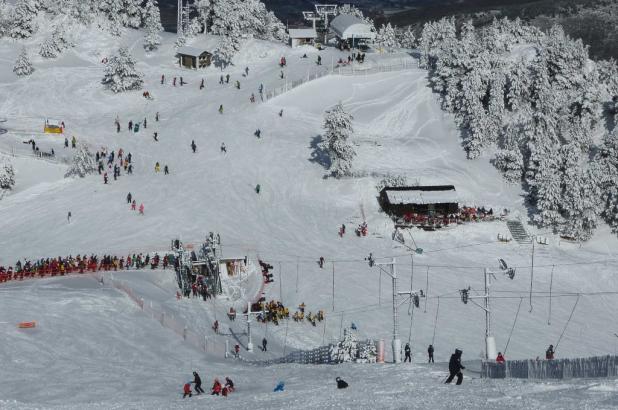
(216, 390)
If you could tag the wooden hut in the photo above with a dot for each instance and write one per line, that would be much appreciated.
(193, 57)
(422, 200)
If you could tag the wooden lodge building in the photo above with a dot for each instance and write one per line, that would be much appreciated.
(421, 200)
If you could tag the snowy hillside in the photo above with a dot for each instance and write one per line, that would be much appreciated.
(94, 346)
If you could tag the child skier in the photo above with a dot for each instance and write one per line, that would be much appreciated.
(216, 388)
(187, 390)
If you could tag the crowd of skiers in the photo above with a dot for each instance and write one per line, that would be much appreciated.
(312, 318)
(199, 288)
(79, 264)
(113, 162)
(216, 390)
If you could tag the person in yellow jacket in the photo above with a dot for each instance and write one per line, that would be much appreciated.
(157, 167)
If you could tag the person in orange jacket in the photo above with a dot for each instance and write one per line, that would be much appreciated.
(500, 358)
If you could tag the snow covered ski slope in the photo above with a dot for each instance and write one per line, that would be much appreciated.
(95, 349)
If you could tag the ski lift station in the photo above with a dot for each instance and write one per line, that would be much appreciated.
(302, 36)
(423, 200)
(352, 30)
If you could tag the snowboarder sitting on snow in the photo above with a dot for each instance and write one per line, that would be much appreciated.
(455, 367)
(187, 390)
(341, 384)
(500, 358)
(216, 388)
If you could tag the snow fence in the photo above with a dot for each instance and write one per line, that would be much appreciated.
(588, 367)
(319, 355)
(351, 69)
(191, 336)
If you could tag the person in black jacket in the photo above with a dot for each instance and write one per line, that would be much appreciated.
(341, 384)
(430, 353)
(455, 367)
(408, 357)
(198, 383)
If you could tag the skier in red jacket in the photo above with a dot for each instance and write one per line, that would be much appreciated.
(187, 390)
(216, 388)
(500, 358)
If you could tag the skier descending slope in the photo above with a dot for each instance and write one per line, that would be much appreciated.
(198, 383)
(455, 367)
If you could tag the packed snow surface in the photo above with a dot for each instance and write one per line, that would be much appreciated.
(93, 348)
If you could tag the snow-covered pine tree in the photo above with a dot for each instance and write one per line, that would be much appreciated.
(581, 195)
(56, 43)
(338, 126)
(386, 38)
(607, 176)
(406, 38)
(121, 74)
(228, 46)
(84, 163)
(131, 15)
(83, 12)
(204, 9)
(4, 18)
(367, 352)
(392, 181)
(345, 350)
(152, 25)
(356, 12)
(7, 174)
(23, 19)
(23, 66)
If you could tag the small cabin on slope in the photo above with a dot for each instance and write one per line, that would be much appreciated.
(302, 36)
(193, 57)
(423, 200)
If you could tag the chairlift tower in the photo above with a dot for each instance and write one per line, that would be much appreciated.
(312, 16)
(179, 29)
(415, 295)
(322, 13)
(248, 314)
(490, 341)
